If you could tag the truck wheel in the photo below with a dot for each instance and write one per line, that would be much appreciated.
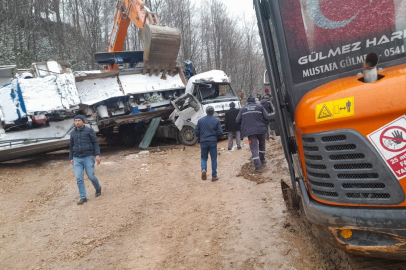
(187, 136)
(129, 136)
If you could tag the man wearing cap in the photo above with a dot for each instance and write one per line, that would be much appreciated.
(208, 129)
(253, 119)
(232, 127)
(84, 151)
(267, 94)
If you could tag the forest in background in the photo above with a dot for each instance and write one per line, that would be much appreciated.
(73, 30)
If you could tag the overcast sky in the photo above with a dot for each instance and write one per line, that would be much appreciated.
(238, 7)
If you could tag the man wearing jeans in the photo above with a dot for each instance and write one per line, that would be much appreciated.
(208, 129)
(83, 149)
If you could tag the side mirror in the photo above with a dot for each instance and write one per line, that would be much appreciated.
(265, 82)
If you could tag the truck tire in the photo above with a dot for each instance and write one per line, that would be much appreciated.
(187, 136)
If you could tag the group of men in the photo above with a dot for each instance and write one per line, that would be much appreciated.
(250, 121)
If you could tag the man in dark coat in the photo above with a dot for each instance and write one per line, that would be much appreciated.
(268, 106)
(254, 119)
(84, 151)
(232, 127)
(208, 129)
(267, 94)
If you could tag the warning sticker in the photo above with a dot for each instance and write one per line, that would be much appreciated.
(390, 141)
(335, 109)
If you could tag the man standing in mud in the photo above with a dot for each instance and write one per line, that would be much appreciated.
(208, 129)
(84, 151)
(253, 119)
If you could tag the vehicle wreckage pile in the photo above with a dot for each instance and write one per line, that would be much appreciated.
(37, 107)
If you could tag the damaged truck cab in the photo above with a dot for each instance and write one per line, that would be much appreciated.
(212, 88)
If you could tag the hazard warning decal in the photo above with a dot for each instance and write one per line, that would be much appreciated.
(390, 141)
(335, 109)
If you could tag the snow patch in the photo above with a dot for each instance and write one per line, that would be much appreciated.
(41, 94)
(96, 90)
(138, 83)
(67, 87)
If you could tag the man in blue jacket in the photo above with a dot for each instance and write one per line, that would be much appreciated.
(208, 130)
(83, 149)
(253, 119)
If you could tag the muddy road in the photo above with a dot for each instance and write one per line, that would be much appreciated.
(156, 213)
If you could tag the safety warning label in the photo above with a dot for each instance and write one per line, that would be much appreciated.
(335, 109)
(390, 141)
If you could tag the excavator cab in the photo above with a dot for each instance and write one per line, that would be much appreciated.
(337, 71)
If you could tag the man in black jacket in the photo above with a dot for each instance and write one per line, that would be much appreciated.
(254, 119)
(232, 127)
(267, 104)
(83, 149)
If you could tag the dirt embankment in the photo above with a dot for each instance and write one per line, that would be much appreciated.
(156, 213)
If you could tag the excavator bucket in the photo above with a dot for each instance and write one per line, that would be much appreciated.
(161, 48)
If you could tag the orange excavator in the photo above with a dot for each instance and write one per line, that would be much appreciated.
(161, 43)
(337, 72)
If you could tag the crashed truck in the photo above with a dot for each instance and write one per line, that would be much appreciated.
(37, 107)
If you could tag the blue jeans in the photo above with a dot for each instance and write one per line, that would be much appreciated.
(211, 148)
(85, 163)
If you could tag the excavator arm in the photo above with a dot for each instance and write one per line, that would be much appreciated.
(161, 43)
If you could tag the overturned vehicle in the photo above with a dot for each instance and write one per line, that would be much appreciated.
(212, 88)
(37, 107)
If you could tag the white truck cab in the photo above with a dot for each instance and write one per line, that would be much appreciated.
(211, 88)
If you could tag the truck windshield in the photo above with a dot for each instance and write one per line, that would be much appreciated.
(214, 92)
(327, 37)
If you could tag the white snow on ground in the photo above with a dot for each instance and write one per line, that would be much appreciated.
(95, 90)
(41, 94)
(138, 83)
(67, 87)
(8, 111)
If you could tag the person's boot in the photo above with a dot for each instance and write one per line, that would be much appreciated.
(263, 162)
(82, 201)
(214, 179)
(239, 147)
(204, 176)
(229, 149)
(98, 192)
(258, 169)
